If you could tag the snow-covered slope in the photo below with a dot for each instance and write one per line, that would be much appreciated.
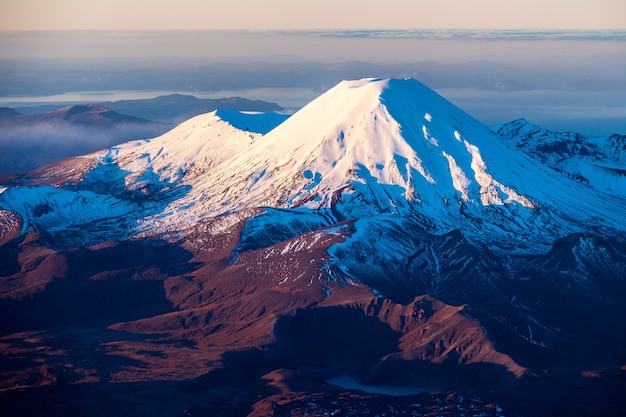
(385, 143)
(191, 148)
(361, 149)
(598, 161)
(389, 146)
(80, 202)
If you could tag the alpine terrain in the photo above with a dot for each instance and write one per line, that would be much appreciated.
(379, 252)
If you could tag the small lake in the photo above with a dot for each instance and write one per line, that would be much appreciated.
(349, 383)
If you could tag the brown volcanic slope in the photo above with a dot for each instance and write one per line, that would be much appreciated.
(258, 334)
(146, 312)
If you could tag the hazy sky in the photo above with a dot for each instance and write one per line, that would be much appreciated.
(306, 14)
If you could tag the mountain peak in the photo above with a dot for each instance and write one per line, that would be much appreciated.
(380, 231)
(375, 146)
(391, 143)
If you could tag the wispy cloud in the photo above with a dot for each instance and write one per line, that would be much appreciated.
(492, 34)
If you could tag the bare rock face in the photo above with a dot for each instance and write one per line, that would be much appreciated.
(10, 225)
(378, 242)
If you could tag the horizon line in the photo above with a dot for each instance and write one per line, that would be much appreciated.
(406, 33)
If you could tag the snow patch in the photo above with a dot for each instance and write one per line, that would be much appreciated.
(251, 121)
(459, 179)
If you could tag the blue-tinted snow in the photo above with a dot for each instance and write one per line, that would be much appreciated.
(252, 122)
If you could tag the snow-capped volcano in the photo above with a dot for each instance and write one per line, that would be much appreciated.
(191, 148)
(380, 232)
(363, 148)
(387, 143)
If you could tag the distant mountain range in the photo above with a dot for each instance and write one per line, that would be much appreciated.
(7, 113)
(599, 161)
(175, 108)
(92, 115)
(252, 263)
(171, 108)
(31, 140)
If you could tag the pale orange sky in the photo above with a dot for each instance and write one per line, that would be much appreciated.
(306, 14)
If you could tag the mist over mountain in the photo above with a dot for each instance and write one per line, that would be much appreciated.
(380, 239)
(44, 134)
(31, 140)
(582, 91)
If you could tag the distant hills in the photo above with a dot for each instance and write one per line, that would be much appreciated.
(8, 113)
(31, 140)
(170, 108)
(176, 108)
(94, 115)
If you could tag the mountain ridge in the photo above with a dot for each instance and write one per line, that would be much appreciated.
(594, 161)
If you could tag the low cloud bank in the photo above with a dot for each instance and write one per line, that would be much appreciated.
(23, 148)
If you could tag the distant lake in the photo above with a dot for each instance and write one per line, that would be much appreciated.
(289, 98)
(586, 112)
